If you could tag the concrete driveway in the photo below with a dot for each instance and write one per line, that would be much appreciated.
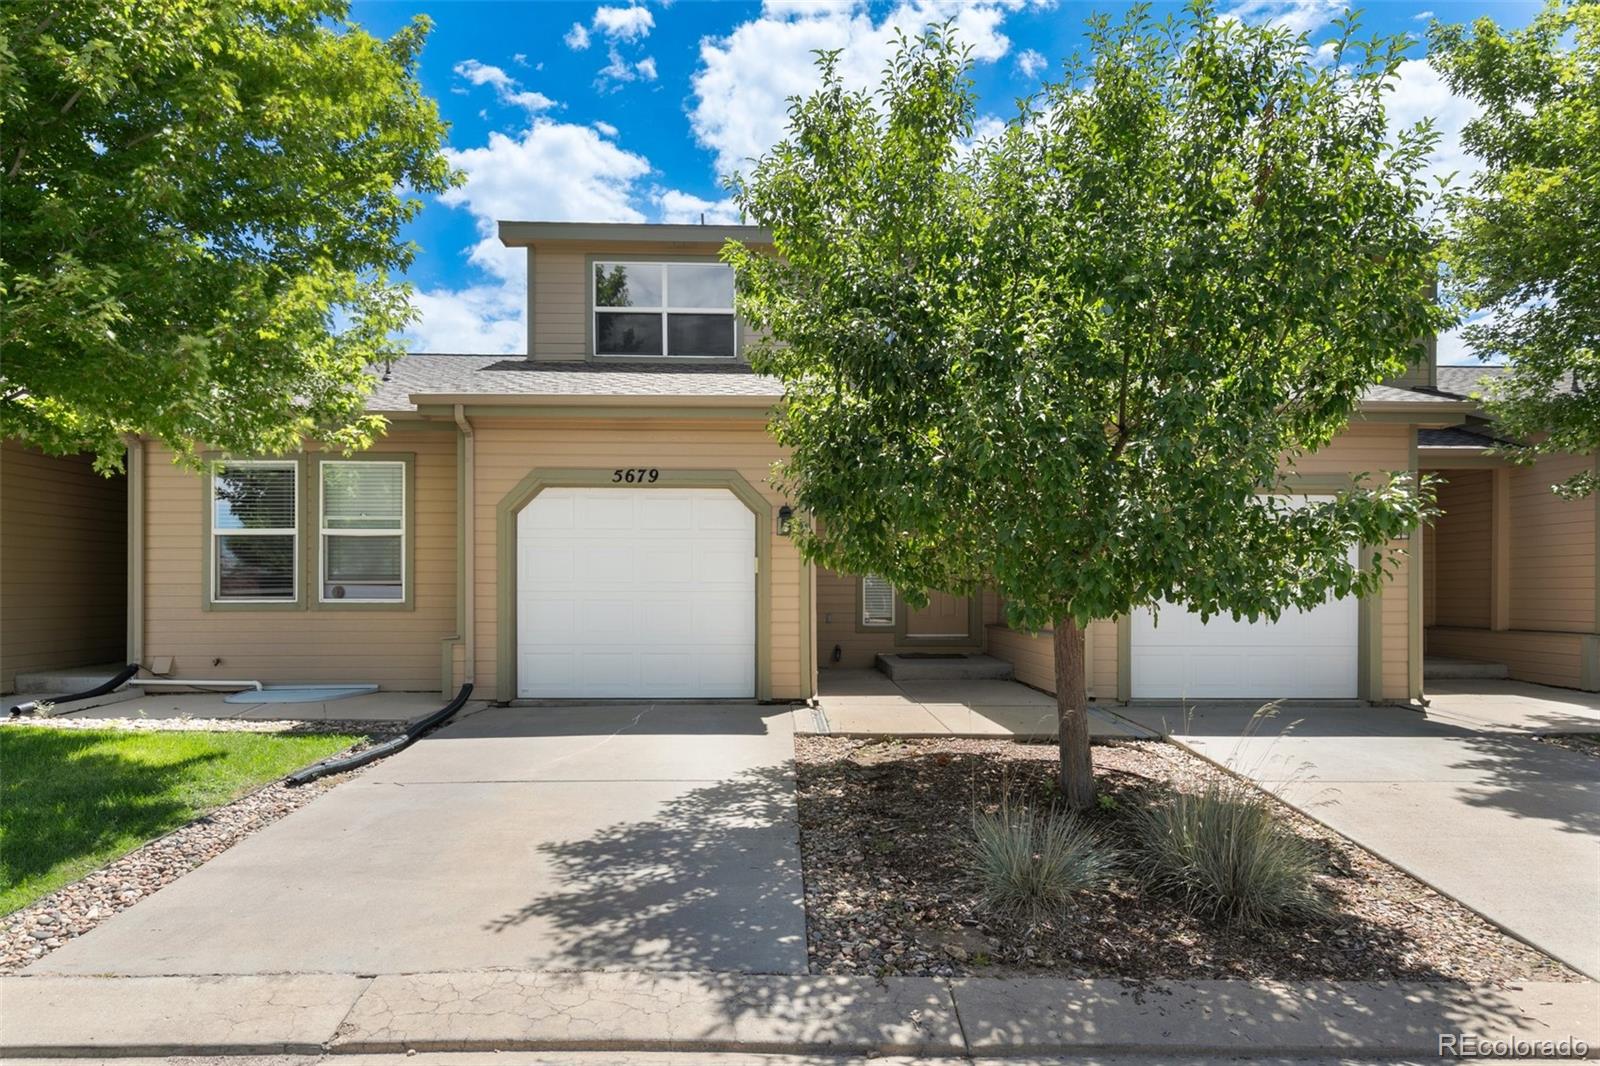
(1505, 823)
(638, 837)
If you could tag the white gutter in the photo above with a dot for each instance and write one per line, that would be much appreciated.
(469, 550)
(579, 400)
(135, 538)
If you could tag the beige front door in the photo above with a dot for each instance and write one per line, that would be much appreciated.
(945, 616)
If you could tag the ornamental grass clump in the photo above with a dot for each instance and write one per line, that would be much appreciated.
(1226, 855)
(1029, 864)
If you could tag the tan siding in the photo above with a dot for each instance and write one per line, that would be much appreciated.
(1461, 550)
(560, 290)
(508, 450)
(1364, 447)
(398, 649)
(836, 625)
(63, 563)
(1543, 658)
(1552, 550)
(1033, 657)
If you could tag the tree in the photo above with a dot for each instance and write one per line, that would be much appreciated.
(1525, 248)
(202, 205)
(1062, 362)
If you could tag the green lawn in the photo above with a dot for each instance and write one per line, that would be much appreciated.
(74, 799)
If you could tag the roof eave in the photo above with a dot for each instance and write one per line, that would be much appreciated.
(515, 234)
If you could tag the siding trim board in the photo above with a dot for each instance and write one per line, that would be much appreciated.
(538, 480)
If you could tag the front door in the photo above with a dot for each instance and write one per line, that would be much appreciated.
(945, 617)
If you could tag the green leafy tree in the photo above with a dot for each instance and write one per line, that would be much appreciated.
(1526, 243)
(201, 206)
(1065, 361)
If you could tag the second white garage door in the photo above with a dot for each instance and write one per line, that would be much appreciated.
(1304, 655)
(636, 593)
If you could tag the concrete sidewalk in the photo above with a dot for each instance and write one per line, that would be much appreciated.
(867, 703)
(638, 1012)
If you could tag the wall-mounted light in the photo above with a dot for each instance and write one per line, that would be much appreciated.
(785, 520)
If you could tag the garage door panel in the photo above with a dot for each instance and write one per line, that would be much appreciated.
(657, 511)
(600, 511)
(656, 600)
(1302, 655)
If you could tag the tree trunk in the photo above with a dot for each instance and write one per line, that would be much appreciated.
(1072, 716)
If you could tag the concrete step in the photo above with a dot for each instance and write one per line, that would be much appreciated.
(67, 679)
(1437, 667)
(928, 666)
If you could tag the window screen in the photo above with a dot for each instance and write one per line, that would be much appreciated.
(254, 531)
(877, 602)
(363, 531)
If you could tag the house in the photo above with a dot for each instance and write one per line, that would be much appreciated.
(596, 520)
(1511, 576)
(63, 564)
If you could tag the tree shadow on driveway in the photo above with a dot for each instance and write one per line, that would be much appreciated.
(711, 882)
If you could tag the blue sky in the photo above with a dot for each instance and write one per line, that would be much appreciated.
(631, 110)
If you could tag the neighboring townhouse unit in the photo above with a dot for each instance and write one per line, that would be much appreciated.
(63, 563)
(1511, 578)
(597, 520)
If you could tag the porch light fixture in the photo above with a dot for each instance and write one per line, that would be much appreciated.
(785, 520)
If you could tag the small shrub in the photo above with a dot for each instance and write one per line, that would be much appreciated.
(1029, 864)
(1226, 854)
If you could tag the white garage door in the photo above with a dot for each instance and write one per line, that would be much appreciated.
(1304, 655)
(636, 593)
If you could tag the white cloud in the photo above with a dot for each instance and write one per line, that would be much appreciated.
(624, 23)
(520, 59)
(557, 171)
(619, 70)
(577, 38)
(506, 88)
(1420, 92)
(606, 129)
(1031, 63)
(1422, 16)
(1298, 16)
(745, 79)
(677, 206)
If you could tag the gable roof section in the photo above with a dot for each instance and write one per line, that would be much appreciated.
(436, 378)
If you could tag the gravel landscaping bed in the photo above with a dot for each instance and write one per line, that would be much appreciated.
(1582, 743)
(32, 932)
(883, 831)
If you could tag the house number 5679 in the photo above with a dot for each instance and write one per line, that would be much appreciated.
(638, 475)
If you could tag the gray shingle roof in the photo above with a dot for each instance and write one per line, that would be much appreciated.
(1395, 394)
(1455, 437)
(1463, 380)
(514, 375)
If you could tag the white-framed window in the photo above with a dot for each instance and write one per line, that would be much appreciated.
(255, 536)
(664, 310)
(362, 531)
(877, 601)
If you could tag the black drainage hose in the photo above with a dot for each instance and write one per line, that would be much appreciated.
(87, 694)
(412, 732)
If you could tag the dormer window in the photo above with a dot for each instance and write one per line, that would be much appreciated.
(664, 310)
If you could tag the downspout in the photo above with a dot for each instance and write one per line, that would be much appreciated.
(468, 504)
(135, 537)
